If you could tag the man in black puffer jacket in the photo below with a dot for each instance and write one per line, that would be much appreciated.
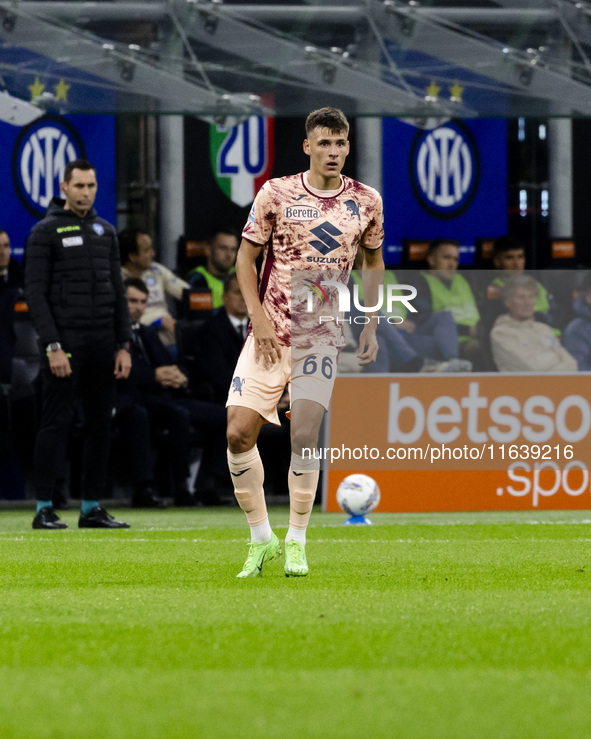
(77, 303)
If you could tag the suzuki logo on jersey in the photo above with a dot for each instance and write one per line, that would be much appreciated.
(242, 157)
(301, 213)
(325, 241)
(445, 169)
(39, 159)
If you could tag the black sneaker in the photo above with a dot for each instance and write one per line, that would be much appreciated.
(98, 518)
(146, 497)
(46, 518)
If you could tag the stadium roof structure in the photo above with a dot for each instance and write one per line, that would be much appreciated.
(225, 60)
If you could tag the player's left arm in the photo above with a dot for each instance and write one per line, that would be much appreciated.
(372, 277)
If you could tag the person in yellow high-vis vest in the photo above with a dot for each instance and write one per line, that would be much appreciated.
(209, 277)
(444, 289)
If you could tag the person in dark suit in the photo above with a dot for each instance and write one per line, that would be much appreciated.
(9, 293)
(219, 341)
(11, 286)
(11, 272)
(155, 394)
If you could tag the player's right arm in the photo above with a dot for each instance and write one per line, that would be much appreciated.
(266, 344)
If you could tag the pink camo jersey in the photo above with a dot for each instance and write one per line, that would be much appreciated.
(303, 230)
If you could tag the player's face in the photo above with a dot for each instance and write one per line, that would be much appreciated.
(521, 304)
(136, 301)
(4, 250)
(327, 151)
(145, 252)
(513, 259)
(445, 259)
(80, 191)
(224, 249)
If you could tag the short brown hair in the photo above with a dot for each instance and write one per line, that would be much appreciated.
(82, 164)
(137, 283)
(437, 243)
(331, 118)
(507, 243)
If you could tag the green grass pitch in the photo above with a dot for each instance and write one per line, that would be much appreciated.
(440, 625)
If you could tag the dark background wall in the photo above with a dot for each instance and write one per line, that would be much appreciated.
(582, 189)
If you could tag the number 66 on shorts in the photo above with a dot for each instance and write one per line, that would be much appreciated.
(310, 371)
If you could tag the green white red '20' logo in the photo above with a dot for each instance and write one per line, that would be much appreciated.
(242, 157)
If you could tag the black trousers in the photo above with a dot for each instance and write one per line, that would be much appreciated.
(136, 441)
(181, 415)
(93, 380)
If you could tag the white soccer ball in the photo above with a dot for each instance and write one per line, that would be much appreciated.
(358, 495)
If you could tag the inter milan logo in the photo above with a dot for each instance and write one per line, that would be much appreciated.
(445, 169)
(39, 159)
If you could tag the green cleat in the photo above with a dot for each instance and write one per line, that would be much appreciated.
(296, 564)
(258, 554)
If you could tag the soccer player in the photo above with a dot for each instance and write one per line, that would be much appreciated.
(301, 222)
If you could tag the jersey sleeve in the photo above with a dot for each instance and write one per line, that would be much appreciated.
(373, 236)
(261, 220)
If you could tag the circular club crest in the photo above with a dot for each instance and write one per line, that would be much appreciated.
(39, 158)
(445, 169)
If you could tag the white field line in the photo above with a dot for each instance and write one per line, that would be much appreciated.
(531, 522)
(138, 540)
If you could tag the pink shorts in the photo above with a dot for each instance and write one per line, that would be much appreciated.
(309, 372)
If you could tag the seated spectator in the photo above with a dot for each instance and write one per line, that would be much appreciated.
(509, 256)
(577, 334)
(155, 395)
(412, 345)
(137, 260)
(520, 343)
(11, 290)
(7, 301)
(221, 258)
(11, 271)
(443, 289)
(219, 341)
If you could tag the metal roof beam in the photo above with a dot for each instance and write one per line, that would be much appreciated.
(322, 69)
(17, 112)
(80, 11)
(129, 72)
(524, 73)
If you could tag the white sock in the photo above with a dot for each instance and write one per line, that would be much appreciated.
(296, 535)
(262, 533)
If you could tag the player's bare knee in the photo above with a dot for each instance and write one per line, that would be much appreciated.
(238, 439)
